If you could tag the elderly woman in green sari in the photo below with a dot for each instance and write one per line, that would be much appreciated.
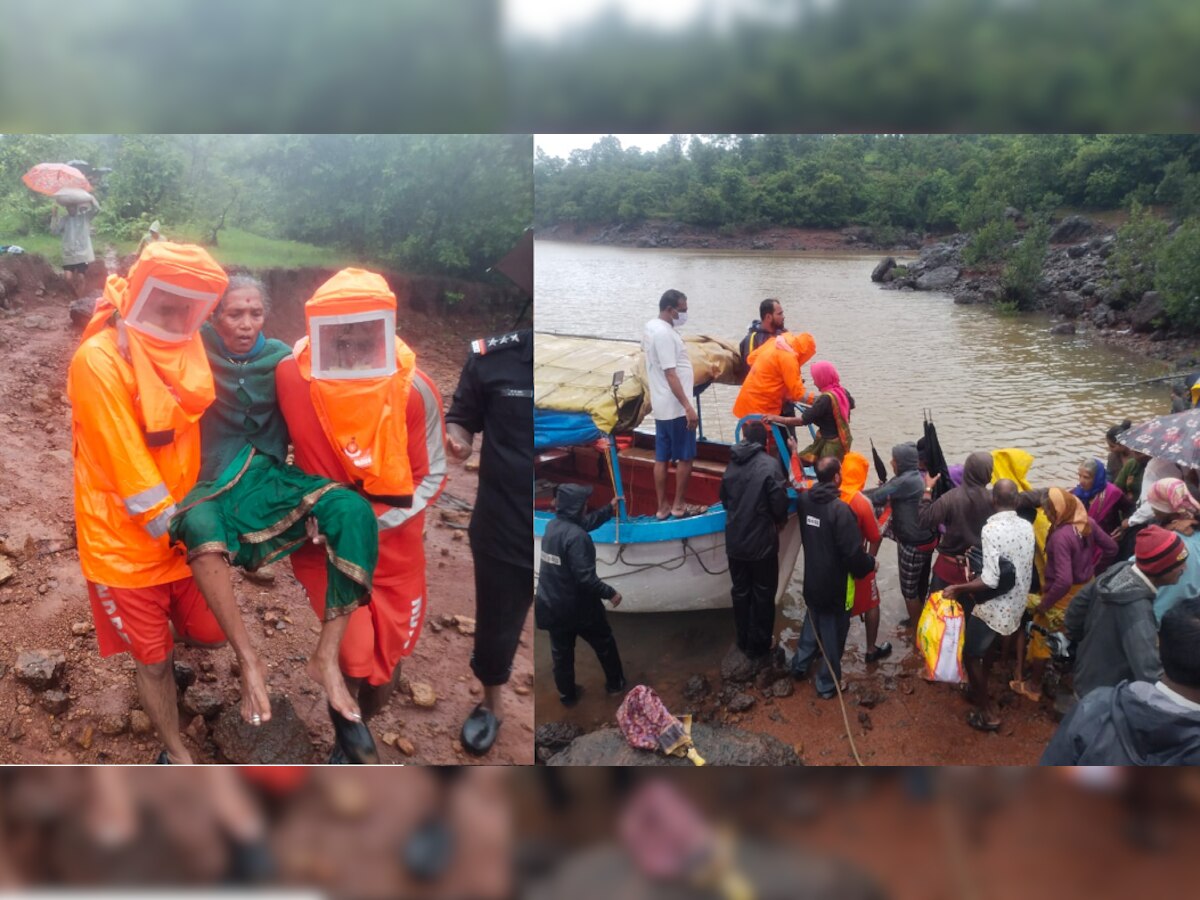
(249, 508)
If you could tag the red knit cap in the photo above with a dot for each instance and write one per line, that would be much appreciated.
(1158, 551)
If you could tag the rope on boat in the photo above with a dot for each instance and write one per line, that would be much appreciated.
(665, 565)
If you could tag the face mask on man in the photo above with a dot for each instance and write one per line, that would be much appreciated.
(681, 319)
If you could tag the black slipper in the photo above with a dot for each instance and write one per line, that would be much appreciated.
(164, 759)
(479, 731)
(976, 720)
(354, 739)
(429, 850)
(880, 651)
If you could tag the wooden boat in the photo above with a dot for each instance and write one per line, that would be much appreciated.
(658, 566)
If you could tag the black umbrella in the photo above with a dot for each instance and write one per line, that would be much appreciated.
(935, 460)
(880, 468)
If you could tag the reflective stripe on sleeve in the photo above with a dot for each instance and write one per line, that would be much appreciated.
(157, 526)
(427, 489)
(146, 500)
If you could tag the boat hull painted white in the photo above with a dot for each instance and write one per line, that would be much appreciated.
(680, 575)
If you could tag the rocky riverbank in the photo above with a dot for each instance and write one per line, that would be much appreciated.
(679, 236)
(1076, 289)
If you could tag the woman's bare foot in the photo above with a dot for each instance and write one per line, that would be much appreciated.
(256, 702)
(327, 674)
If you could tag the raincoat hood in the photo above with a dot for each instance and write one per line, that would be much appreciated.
(855, 468)
(745, 450)
(175, 383)
(977, 470)
(1151, 729)
(363, 417)
(570, 501)
(906, 457)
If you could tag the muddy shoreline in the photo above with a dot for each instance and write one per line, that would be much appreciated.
(43, 601)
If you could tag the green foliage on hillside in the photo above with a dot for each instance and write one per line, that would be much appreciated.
(432, 204)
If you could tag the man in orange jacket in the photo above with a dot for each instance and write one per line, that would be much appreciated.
(342, 379)
(775, 377)
(138, 385)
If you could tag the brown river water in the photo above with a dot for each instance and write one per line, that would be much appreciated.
(989, 380)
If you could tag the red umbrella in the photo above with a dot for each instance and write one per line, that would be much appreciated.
(50, 178)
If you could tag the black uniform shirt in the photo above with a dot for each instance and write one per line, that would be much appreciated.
(495, 396)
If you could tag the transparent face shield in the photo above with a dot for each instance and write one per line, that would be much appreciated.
(169, 313)
(356, 345)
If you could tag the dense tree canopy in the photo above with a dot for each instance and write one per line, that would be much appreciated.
(926, 183)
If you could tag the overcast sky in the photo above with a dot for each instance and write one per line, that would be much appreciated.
(548, 18)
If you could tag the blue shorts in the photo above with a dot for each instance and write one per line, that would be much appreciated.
(673, 440)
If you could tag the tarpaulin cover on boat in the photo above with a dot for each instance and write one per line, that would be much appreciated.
(576, 374)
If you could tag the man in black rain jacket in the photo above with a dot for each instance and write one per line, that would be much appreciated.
(833, 554)
(756, 503)
(569, 593)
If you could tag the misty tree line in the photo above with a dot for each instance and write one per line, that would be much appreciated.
(438, 204)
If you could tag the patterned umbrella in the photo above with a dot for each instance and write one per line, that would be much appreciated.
(1175, 437)
(50, 178)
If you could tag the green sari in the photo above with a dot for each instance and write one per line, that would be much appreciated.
(255, 509)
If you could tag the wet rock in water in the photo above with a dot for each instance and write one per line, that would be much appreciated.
(556, 736)
(202, 701)
(968, 298)
(55, 702)
(1149, 308)
(185, 676)
(883, 267)
(719, 745)
(283, 740)
(741, 702)
(696, 689)
(940, 279)
(1063, 328)
(40, 669)
(737, 667)
(783, 687)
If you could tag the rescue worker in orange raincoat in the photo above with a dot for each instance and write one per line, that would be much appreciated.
(775, 377)
(360, 412)
(138, 385)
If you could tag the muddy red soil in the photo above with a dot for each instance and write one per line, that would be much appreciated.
(896, 718)
(44, 605)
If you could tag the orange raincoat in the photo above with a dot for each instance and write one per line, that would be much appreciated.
(136, 403)
(775, 375)
(855, 469)
(364, 418)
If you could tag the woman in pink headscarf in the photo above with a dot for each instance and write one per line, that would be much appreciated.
(829, 413)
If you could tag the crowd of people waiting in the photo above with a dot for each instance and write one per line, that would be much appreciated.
(1104, 575)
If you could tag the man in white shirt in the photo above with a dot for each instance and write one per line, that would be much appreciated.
(669, 373)
(1008, 537)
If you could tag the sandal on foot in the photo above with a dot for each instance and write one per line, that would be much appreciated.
(976, 720)
(688, 511)
(880, 651)
(1019, 687)
(354, 739)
